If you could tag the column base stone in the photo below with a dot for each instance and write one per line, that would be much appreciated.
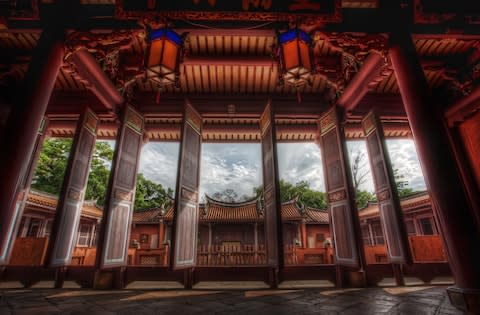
(467, 300)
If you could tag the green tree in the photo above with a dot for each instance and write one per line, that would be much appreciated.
(149, 194)
(99, 172)
(302, 190)
(363, 197)
(51, 165)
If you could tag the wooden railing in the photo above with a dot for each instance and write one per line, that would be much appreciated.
(425, 248)
(230, 255)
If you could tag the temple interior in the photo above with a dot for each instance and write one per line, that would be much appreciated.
(86, 84)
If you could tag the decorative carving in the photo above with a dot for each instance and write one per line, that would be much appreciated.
(368, 123)
(123, 195)
(134, 120)
(383, 195)
(74, 194)
(189, 195)
(290, 13)
(337, 196)
(328, 121)
(193, 118)
(265, 119)
(91, 122)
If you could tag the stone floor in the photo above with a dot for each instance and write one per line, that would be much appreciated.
(393, 300)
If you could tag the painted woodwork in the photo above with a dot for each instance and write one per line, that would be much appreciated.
(470, 133)
(10, 229)
(339, 190)
(184, 245)
(121, 191)
(69, 208)
(391, 215)
(271, 194)
(311, 11)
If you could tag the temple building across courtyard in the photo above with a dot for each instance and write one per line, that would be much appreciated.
(322, 71)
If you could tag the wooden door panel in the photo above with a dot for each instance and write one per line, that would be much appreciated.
(339, 190)
(186, 215)
(67, 216)
(273, 235)
(121, 191)
(391, 215)
(13, 217)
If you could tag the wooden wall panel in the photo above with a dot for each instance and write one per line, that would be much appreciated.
(9, 233)
(184, 245)
(339, 191)
(273, 224)
(470, 133)
(69, 208)
(391, 215)
(113, 243)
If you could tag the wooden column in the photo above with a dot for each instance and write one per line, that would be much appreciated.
(255, 242)
(21, 130)
(185, 230)
(341, 206)
(303, 229)
(115, 231)
(161, 232)
(459, 232)
(273, 223)
(70, 202)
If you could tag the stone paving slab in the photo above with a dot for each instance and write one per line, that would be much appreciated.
(399, 300)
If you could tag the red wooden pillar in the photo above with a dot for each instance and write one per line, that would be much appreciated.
(161, 233)
(341, 206)
(21, 130)
(185, 226)
(69, 208)
(303, 229)
(443, 180)
(391, 216)
(115, 231)
(273, 220)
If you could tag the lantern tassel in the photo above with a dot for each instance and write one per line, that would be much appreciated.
(157, 98)
(299, 97)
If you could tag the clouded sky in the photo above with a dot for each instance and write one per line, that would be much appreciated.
(238, 165)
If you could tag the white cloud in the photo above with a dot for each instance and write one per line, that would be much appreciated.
(301, 161)
(234, 166)
(360, 147)
(159, 162)
(404, 158)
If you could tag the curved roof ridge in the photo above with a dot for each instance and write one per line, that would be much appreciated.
(250, 201)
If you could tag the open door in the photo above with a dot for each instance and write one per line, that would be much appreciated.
(391, 216)
(11, 217)
(185, 225)
(271, 194)
(339, 190)
(113, 245)
(69, 208)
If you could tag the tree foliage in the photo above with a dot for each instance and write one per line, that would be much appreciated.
(53, 161)
(99, 172)
(150, 194)
(51, 165)
(300, 190)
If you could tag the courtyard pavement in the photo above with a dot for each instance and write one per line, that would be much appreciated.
(394, 300)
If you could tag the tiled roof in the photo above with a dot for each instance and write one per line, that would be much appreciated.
(317, 215)
(421, 199)
(291, 212)
(218, 211)
(49, 202)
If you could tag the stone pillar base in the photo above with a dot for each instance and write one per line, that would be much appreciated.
(357, 279)
(467, 300)
(103, 280)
